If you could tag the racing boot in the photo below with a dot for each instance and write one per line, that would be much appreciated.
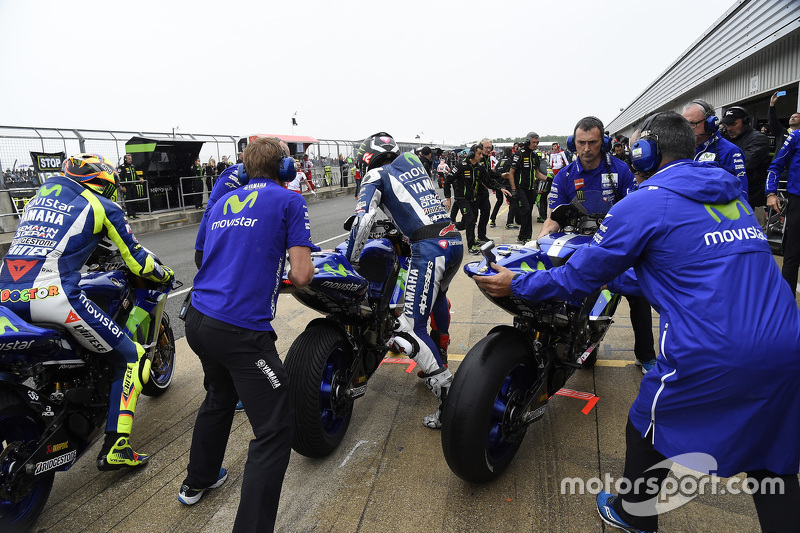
(116, 452)
(442, 342)
(439, 383)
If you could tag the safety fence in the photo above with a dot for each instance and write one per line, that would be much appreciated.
(20, 178)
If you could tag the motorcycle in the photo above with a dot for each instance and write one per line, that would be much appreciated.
(506, 380)
(330, 363)
(54, 393)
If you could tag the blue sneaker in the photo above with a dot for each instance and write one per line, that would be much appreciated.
(240, 406)
(189, 496)
(646, 366)
(605, 507)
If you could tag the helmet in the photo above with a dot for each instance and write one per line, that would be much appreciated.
(376, 150)
(94, 172)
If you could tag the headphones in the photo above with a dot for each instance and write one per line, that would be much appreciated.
(711, 124)
(645, 153)
(286, 169)
(605, 146)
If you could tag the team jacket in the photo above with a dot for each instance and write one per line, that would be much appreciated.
(404, 191)
(726, 154)
(466, 180)
(231, 178)
(725, 383)
(790, 154)
(525, 162)
(60, 228)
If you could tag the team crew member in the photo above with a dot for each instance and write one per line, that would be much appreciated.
(500, 169)
(61, 227)
(527, 169)
(709, 143)
(134, 189)
(557, 158)
(228, 325)
(724, 390)
(399, 186)
(789, 154)
(593, 170)
(231, 178)
(464, 178)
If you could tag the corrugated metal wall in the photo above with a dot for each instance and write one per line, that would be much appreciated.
(751, 50)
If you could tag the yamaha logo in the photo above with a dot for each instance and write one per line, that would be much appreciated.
(261, 363)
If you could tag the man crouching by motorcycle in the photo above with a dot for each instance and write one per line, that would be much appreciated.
(58, 232)
(401, 187)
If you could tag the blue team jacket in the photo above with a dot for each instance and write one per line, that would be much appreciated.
(725, 383)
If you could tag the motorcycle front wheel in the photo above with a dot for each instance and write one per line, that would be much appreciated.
(162, 368)
(20, 429)
(317, 363)
(480, 430)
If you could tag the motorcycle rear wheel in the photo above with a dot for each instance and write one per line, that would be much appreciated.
(163, 365)
(479, 438)
(316, 363)
(18, 427)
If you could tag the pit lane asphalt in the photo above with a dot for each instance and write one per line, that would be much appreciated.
(389, 473)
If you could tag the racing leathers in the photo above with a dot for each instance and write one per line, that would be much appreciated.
(406, 194)
(726, 154)
(57, 233)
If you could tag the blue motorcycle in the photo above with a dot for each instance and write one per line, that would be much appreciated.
(330, 363)
(54, 394)
(507, 379)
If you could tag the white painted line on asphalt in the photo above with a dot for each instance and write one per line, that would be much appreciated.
(178, 293)
(349, 455)
(332, 239)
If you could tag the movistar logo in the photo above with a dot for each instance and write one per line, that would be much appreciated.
(525, 267)
(236, 206)
(412, 159)
(339, 271)
(6, 323)
(45, 190)
(729, 211)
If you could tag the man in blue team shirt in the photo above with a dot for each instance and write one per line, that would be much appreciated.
(789, 154)
(710, 145)
(248, 232)
(723, 394)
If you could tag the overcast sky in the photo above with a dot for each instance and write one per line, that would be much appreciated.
(451, 71)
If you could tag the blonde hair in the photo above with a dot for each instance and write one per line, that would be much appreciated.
(262, 157)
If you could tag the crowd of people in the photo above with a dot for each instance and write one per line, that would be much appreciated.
(683, 235)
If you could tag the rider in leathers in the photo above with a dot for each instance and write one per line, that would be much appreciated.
(60, 228)
(401, 187)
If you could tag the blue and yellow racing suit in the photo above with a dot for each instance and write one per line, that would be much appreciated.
(57, 233)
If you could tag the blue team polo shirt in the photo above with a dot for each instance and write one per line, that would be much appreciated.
(574, 177)
(246, 238)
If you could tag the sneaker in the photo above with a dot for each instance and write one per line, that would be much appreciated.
(539, 220)
(492, 224)
(474, 250)
(189, 496)
(481, 241)
(239, 406)
(646, 366)
(119, 455)
(522, 241)
(512, 226)
(605, 507)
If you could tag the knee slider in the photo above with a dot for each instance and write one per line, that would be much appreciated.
(405, 344)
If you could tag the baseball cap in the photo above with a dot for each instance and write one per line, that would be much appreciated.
(732, 114)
